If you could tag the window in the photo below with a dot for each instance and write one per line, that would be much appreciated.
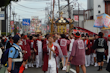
(99, 12)
(99, 6)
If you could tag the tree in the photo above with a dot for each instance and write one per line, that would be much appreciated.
(6, 2)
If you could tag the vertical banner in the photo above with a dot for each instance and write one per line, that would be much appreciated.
(76, 18)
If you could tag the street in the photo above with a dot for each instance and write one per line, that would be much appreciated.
(90, 69)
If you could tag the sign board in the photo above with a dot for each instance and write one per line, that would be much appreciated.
(76, 18)
(102, 20)
(26, 22)
(35, 17)
(2, 15)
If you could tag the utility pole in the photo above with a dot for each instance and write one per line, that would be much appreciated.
(69, 11)
(78, 14)
(59, 7)
(10, 18)
(52, 26)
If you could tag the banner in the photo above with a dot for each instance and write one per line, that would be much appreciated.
(102, 20)
(76, 18)
(26, 22)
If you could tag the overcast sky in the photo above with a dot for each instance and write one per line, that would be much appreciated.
(27, 9)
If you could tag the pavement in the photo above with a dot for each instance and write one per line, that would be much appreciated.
(90, 69)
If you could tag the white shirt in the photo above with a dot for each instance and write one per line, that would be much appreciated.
(51, 62)
(39, 46)
(71, 44)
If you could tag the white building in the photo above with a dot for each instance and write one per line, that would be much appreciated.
(95, 7)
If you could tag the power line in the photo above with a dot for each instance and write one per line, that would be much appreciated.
(27, 7)
(25, 11)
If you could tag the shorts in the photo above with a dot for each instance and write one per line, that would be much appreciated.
(99, 57)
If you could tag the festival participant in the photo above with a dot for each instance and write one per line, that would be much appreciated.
(33, 51)
(50, 53)
(27, 47)
(9, 43)
(63, 44)
(95, 60)
(91, 52)
(45, 41)
(78, 53)
(25, 55)
(39, 53)
(100, 46)
(88, 51)
(60, 56)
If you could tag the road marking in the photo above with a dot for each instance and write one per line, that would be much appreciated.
(72, 70)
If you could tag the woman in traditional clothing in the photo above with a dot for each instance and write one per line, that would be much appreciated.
(78, 53)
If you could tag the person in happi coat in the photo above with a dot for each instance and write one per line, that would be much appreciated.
(60, 56)
(78, 53)
(63, 44)
(95, 60)
(33, 51)
(91, 52)
(25, 55)
(88, 50)
(39, 53)
(26, 44)
(45, 41)
(100, 46)
(50, 54)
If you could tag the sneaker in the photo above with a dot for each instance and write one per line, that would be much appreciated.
(87, 65)
(96, 65)
(64, 68)
(29, 64)
(32, 65)
(26, 67)
(37, 66)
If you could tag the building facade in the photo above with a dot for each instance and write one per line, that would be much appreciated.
(94, 7)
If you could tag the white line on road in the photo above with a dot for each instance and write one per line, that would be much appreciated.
(72, 70)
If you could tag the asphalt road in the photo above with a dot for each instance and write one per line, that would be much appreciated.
(90, 69)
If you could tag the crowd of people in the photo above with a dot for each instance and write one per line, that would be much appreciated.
(54, 51)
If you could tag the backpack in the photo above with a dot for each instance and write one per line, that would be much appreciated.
(4, 58)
